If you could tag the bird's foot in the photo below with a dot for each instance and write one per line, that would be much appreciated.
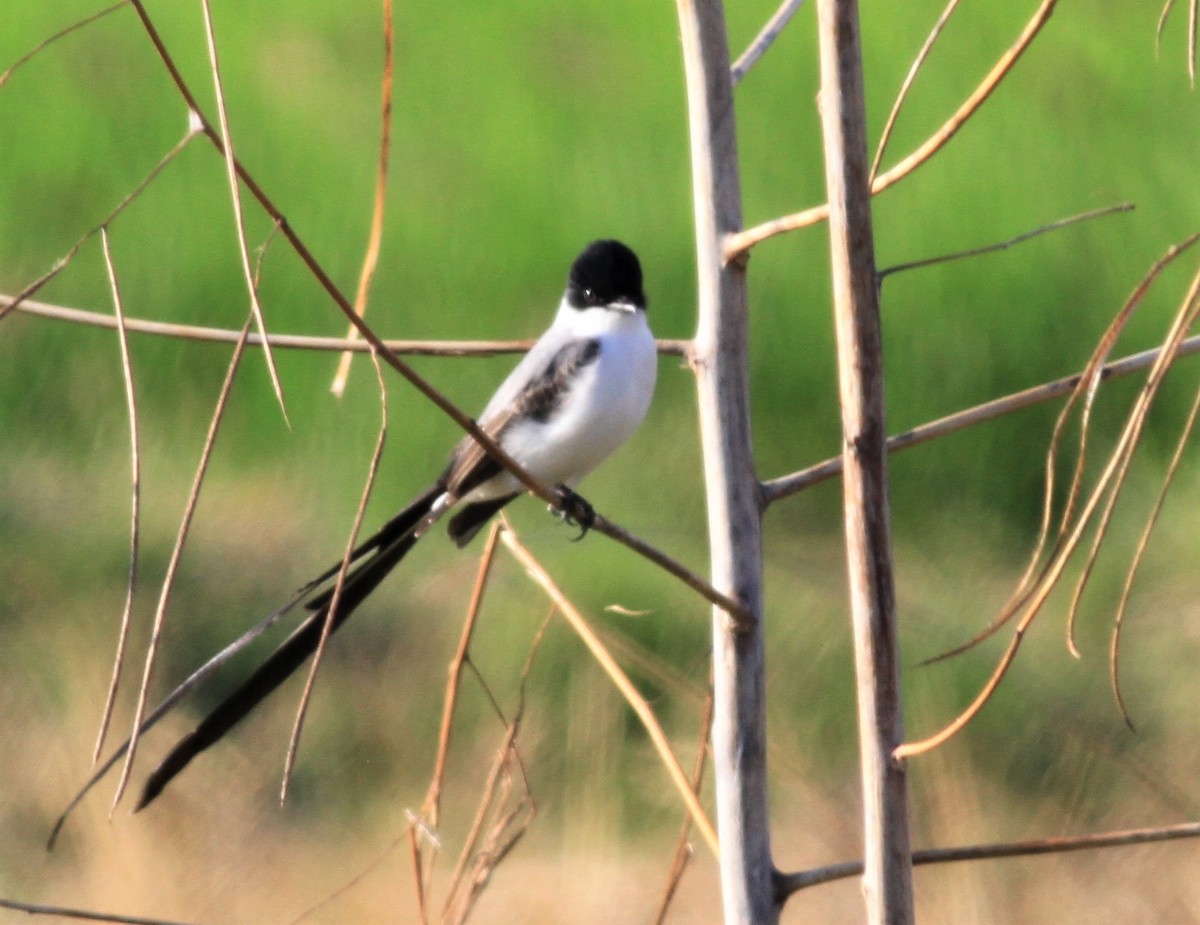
(575, 511)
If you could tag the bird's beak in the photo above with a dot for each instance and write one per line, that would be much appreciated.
(623, 306)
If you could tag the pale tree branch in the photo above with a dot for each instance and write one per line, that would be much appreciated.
(721, 364)
(887, 881)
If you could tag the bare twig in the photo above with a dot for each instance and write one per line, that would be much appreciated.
(791, 883)
(738, 243)
(781, 487)
(61, 33)
(620, 679)
(886, 135)
(371, 259)
(135, 499)
(352, 882)
(339, 583)
(13, 302)
(235, 193)
(1162, 21)
(63, 912)
(1011, 242)
(764, 40)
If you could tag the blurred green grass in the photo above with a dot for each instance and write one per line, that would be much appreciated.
(520, 133)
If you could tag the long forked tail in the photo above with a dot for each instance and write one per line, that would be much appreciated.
(376, 557)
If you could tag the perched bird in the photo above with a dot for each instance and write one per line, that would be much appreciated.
(580, 392)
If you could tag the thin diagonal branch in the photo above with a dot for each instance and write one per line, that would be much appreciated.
(11, 303)
(764, 40)
(1143, 542)
(61, 33)
(1011, 242)
(65, 912)
(781, 487)
(791, 883)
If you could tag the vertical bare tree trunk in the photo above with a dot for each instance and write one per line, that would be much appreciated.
(887, 878)
(734, 512)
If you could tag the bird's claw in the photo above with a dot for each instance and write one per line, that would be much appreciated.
(575, 511)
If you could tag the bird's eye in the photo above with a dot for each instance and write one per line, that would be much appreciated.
(589, 295)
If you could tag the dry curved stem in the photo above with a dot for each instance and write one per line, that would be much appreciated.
(235, 193)
(1108, 485)
(886, 135)
(135, 499)
(794, 882)
(371, 258)
(1143, 542)
(351, 542)
(621, 680)
(89, 915)
(1085, 389)
(202, 334)
(735, 245)
(14, 302)
(912, 749)
(61, 33)
(764, 40)
(1181, 324)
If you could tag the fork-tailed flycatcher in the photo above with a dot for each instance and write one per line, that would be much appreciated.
(580, 392)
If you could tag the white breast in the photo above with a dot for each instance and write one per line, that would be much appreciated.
(605, 404)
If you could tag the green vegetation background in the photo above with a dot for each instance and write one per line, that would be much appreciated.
(521, 131)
